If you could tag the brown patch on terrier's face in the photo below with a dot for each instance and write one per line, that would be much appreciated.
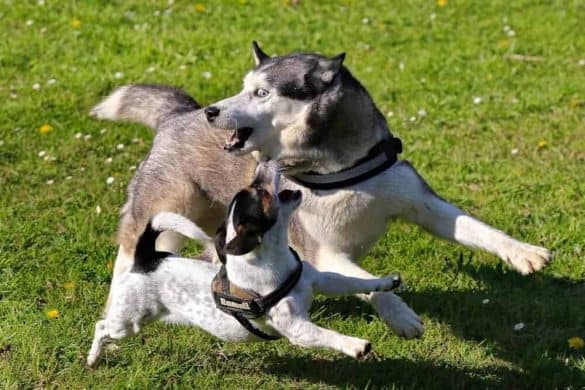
(253, 212)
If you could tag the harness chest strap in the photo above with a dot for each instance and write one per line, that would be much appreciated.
(381, 157)
(244, 304)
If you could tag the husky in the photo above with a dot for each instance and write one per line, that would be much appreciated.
(264, 290)
(311, 115)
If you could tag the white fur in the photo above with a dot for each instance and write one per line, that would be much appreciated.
(178, 291)
(108, 108)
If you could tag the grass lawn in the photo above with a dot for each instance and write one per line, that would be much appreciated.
(488, 98)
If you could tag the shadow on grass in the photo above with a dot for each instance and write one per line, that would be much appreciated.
(551, 308)
(385, 373)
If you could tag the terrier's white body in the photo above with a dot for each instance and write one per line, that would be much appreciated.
(178, 290)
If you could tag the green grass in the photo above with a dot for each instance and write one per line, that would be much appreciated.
(52, 235)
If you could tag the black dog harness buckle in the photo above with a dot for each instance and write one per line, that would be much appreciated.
(244, 304)
(381, 157)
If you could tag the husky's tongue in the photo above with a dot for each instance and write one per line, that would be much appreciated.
(238, 138)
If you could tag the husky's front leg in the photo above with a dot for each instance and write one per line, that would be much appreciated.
(391, 308)
(443, 219)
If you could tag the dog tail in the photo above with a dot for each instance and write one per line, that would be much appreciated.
(147, 104)
(146, 258)
(170, 221)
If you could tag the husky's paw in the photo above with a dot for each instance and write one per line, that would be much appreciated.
(109, 107)
(357, 348)
(398, 315)
(526, 258)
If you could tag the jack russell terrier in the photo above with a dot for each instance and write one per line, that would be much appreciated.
(261, 291)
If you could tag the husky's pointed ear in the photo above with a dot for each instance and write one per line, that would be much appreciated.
(259, 55)
(243, 243)
(330, 67)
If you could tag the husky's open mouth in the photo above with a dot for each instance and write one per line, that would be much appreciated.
(238, 139)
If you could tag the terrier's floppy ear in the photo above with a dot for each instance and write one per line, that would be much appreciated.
(259, 55)
(243, 243)
(220, 242)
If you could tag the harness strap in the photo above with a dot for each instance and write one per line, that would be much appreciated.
(381, 157)
(252, 329)
(244, 304)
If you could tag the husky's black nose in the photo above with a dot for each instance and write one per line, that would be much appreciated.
(211, 113)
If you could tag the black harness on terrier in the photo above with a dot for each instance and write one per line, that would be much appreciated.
(381, 157)
(244, 304)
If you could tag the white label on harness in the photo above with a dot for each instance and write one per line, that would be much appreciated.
(235, 305)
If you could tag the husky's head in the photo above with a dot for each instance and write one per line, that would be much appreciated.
(304, 110)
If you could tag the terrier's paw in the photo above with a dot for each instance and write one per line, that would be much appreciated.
(389, 283)
(526, 258)
(357, 348)
(398, 315)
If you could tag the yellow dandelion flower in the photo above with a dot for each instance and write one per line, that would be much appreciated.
(576, 343)
(542, 144)
(44, 129)
(200, 7)
(110, 265)
(75, 23)
(69, 285)
(52, 314)
(441, 3)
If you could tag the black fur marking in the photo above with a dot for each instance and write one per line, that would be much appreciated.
(146, 257)
(251, 218)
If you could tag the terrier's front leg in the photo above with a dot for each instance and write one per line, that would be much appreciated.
(101, 336)
(301, 331)
(391, 308)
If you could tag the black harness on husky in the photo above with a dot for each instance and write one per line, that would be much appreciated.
(381, 157)
(244, 304)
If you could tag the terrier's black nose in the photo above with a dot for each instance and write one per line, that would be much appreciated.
(211, 113)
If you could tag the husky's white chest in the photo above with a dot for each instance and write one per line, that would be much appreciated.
(348, 220)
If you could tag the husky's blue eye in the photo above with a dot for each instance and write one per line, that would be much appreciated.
(261, 92)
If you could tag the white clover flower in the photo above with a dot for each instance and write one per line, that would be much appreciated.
(103, 131)
(477, 100)
(108, 160)
(50, 182)
(36, 86)
(422, 112)
(42, 153)
(69, 178)
(519, 326)
(412, 118)
(118, 75)
(206, 75)
(78, 135)
(87, 137)
(511, 33)
(110, 180)
(150, 69)
(98, 209)
(51, 81)
(365, 20)
(514, 151)
(390, 114)
(120, 146)
(401, 65)
(485, 301)
(1, 142)
(132, 167)
(29, 22)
